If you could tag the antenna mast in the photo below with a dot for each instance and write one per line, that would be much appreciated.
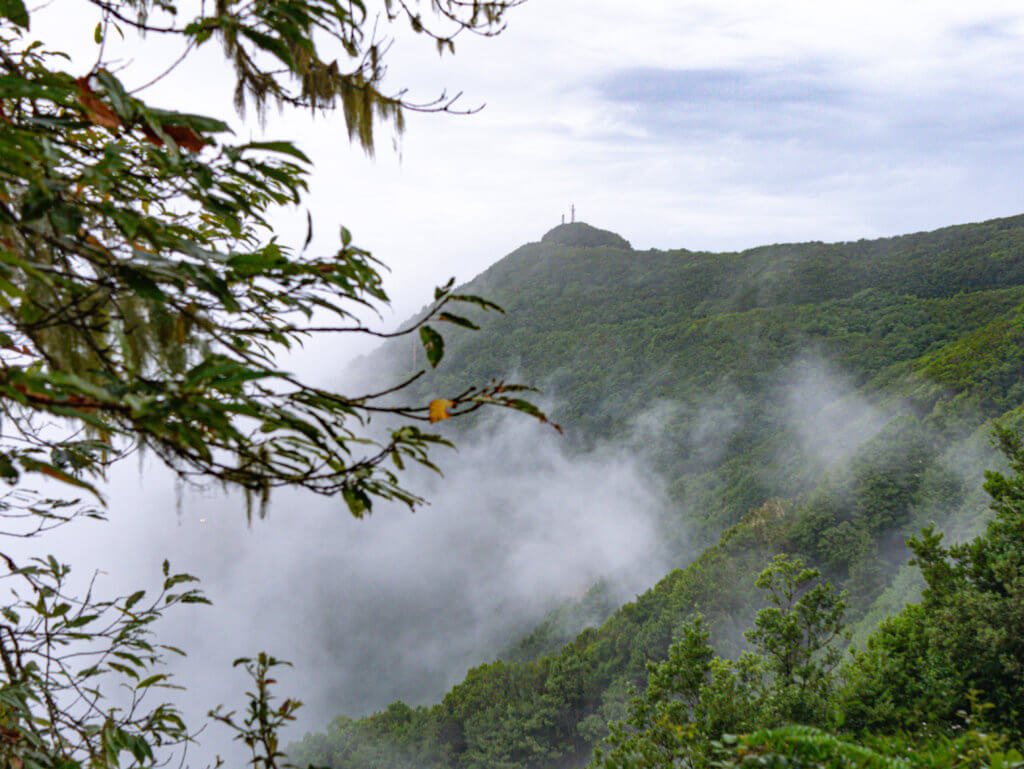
(573, 212)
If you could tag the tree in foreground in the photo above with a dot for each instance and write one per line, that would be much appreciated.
(962, 642)
(144, 303)
(143, 294)
(693, 698)
(939, 685)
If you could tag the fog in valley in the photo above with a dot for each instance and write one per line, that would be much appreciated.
(399, 605)
(395, 606)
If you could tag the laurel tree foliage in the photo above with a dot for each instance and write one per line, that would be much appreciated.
(145, 301)
(144, 297)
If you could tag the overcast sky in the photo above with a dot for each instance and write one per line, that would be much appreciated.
(705, 125)
(712, 125)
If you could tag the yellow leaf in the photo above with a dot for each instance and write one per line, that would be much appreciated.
(439, 409)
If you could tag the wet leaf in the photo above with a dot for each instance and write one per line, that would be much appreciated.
(433, 344)
(439, 409)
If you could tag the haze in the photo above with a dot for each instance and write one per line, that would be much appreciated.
(700, 125)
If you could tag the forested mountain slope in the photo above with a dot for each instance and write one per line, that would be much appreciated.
(727, 348)
(821, 400)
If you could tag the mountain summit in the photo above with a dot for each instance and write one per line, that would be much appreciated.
(799, 398)
(580, 234)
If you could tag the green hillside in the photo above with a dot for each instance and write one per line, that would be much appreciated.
(609, 333)
(819, 400)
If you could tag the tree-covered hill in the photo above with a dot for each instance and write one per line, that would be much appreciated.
(597, 320)
(723, 346)
(819, 400)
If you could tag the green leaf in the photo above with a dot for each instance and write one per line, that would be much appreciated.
(272, 44)
(65, 218)
(458, 320)
(433, 343)
(154, 679)
(484, 304)
(254, 263)
(285, 148)
(97, 34)
(15, 11)
(121, 102)
(200, 123)
(7, 469)
(177, 579)
(125, 669)
(441, 291)
(357, 500)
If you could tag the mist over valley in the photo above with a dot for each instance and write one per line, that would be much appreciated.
(668, 413)
(713, 410)
(696, 393)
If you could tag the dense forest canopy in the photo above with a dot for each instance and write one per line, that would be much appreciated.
(820, 402)
(848, 586)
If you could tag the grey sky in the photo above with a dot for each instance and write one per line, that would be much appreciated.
(705, 125)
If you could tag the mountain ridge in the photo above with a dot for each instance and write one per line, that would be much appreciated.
(847, 391)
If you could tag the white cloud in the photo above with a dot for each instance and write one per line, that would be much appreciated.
(468, 190)
(396, 606)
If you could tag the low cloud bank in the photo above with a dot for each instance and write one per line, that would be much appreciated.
(396, 606)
